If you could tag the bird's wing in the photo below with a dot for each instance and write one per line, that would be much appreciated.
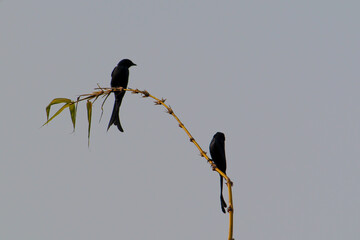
(113, 72)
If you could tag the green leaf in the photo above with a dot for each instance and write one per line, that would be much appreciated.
(89, 112)
(55, 101)
(72, 109)
(58, 112)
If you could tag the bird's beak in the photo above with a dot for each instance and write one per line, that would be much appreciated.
(134, 64)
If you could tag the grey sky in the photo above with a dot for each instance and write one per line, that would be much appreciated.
(279, 78)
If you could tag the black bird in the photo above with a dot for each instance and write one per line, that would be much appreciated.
(119, 78)
(217, 152)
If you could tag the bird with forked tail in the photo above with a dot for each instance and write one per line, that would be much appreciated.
(119, 78)
(217, 152)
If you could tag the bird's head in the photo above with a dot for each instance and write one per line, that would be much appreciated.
(126, 63)
(220, 136)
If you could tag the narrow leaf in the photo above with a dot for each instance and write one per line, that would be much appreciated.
(72, 109)
(57, 113)
(77, 102)
(102, 105)
(55, 101)
(89, 112)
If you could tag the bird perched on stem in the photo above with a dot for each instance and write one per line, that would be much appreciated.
(217, 152)
(119, 78)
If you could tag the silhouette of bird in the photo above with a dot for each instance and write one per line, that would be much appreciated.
(217, 152)
(119, 78)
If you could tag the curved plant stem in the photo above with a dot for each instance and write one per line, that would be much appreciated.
(202, 153)
(105, 92)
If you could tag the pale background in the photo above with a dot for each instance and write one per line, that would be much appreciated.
(279, 78)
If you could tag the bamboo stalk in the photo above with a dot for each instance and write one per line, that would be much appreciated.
(105, 92)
